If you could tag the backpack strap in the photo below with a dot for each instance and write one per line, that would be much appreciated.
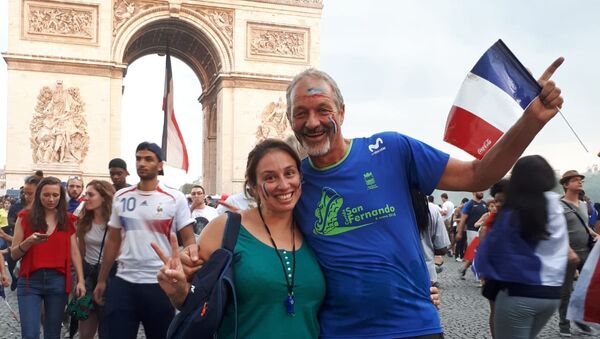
(232, 229)
(578, 216)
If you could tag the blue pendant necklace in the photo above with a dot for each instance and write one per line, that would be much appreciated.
(290, 300)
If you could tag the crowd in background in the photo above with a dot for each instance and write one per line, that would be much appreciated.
(115, 255)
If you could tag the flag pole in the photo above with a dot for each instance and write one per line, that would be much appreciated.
(572, 130)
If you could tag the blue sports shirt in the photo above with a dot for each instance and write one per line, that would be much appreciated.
(358, 217)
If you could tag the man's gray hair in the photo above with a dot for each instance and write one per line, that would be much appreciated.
(317, 74)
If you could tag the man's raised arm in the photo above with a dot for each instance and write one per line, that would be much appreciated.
(478, 175)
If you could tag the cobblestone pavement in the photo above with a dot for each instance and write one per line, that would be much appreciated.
(464, 311)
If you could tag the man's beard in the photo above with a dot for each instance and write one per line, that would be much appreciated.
(316, 149)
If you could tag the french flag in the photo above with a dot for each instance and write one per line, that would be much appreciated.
(173, 146)
(491, 99)
(584, 304)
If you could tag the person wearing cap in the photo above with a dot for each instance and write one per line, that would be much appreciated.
(145, 213)
(117, 169)
(576, 213)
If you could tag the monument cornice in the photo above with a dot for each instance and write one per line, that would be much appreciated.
(246, 80)
(298, 3)
(54, 64)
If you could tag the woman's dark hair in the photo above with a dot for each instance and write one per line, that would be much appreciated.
(499, 187)
(420, 204)
(257, 153)
(106, 191)
(531, 177)
(37, 215)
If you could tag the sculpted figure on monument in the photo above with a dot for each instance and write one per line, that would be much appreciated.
(60, 21)
(58, 129)
(274, 123)
(123, 11)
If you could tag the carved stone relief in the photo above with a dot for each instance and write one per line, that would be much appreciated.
(58, 128)
(274, 122)
(65, 22)
(222, 19)
(123, 10)
(277, 41)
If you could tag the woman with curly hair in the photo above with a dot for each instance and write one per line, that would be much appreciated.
(91, 234)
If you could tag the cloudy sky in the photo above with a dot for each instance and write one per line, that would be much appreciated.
(400, 64)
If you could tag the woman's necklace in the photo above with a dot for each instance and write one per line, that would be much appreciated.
(289, 277)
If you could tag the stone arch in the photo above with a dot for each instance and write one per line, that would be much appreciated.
(192, 34)
(243, 52)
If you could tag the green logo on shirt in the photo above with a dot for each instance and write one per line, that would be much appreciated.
(326, 213)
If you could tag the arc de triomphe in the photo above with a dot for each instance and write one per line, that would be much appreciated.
(67, 59)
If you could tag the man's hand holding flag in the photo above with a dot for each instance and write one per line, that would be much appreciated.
(493, 97)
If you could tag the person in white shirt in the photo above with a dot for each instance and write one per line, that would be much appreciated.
(447, 212)
(146, 213)
(200, 210)
(435, 240)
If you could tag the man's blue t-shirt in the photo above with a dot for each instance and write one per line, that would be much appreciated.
(474, 210)
(358, 217)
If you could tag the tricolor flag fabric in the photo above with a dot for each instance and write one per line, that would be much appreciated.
(173, 145)
(584, 304)
(491, 99)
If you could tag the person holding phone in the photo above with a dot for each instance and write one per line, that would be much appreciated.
(45, 242)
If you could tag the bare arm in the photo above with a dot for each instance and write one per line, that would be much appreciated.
(482, 220)
(77, 263)
(81, 246)
(19, 246)
(478, 175)
(3, 276)
(5, 235)
(187, 235)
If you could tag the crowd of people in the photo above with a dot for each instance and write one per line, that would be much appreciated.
(341, 244)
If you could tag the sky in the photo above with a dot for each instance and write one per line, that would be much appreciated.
(399, 65)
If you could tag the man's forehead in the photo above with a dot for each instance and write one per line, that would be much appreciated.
(144, 153)
(75, 182)
(310, 86)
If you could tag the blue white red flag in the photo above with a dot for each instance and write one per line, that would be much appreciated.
(491, 99)
(173, 145)
(584, 304)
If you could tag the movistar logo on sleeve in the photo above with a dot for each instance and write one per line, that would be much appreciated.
(376, 147)
(327, 214)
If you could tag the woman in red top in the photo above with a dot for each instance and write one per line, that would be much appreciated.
(45, 241)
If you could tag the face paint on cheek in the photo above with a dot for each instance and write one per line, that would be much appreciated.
(264, 189)
(333, 125)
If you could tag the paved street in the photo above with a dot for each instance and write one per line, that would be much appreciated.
(464, 311)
